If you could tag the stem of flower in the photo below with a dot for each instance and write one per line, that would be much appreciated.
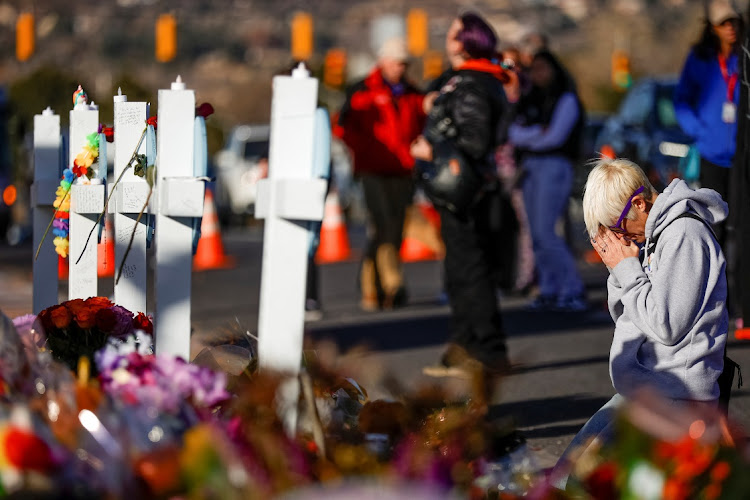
(101, 215)
(132, 234)
(106, 204)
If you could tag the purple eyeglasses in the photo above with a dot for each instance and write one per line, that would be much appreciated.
(617, 228)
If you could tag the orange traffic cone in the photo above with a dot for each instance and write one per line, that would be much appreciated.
(413, 250)
(608, 151)
(334, 241)
(429, 211)
(210, 253)
(592, 257)
(421, 233)
(63, 271)
(106, 252)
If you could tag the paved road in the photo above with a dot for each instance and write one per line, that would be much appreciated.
(563, 377)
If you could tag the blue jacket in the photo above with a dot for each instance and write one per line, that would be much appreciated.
(698, 101)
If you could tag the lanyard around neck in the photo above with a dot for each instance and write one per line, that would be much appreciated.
(730, 79)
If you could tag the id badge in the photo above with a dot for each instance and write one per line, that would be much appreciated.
(729, 112)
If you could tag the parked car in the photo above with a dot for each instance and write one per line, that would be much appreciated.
(239, 167)
(645, 130)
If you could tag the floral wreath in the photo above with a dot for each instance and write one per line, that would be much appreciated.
(82, 166)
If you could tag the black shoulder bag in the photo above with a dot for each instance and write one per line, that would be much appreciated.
(726, 378)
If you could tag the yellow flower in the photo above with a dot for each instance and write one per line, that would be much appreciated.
(61, 246)
(61, 191)
(85, 159)
(197, 449)
(62, 204)
(91, 149)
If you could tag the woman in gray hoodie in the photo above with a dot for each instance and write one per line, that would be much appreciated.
(667, 289)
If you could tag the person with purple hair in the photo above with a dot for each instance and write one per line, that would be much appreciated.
(472, 102)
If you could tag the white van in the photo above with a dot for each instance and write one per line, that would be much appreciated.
(239, 167)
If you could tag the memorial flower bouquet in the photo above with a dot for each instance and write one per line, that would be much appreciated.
(660, 453)
(80, 327)
(130, 372)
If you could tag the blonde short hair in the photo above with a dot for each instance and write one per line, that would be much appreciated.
(609, 185)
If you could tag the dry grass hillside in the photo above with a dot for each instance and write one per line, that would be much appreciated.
(228, 50)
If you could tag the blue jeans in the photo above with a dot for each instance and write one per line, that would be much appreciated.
(546, 189)
(601, 426)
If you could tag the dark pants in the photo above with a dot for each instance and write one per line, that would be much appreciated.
(477, 323)
(717, 178)
(740, 286)
(503, 226)
(739, 258)
(386, 199)
(311, 283)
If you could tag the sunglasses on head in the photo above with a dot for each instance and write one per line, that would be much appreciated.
(617, 228)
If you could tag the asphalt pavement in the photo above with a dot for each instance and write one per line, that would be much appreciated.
(562, 376)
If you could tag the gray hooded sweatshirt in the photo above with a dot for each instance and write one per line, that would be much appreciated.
(670, 309)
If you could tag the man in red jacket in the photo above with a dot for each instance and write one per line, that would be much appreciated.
(381, 117)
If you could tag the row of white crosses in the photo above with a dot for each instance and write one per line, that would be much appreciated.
(289, 200)
(177, 200)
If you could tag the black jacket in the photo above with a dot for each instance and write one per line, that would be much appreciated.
(475, 105)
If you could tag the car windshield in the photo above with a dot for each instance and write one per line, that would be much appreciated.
(256, 149)
(665, 113)
(637, 104)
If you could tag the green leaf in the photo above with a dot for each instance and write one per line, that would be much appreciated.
(140, 166)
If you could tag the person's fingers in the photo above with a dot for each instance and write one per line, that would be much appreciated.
(602, 247)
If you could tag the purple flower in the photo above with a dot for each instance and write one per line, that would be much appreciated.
(124, 323)
(117, 350)
(107, 359)
(24, 323)
(212, 387)
(30, 330)
(61, 224)
(130, 372)
(202, 384)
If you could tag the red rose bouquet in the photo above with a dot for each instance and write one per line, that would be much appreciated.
(80, 327)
